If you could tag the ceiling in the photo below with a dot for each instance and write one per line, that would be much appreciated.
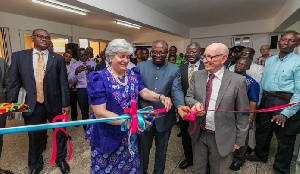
(91, 20)
(202, 13)
(191, 13)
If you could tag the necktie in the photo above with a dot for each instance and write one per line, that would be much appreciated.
(39, 78)
(191, 73)
(208, 94)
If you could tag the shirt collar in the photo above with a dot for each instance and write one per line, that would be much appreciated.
(219, 74)
(286, 57)
(45, 52)
(197, 64)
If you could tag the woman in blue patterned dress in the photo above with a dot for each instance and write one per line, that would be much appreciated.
(110, 91)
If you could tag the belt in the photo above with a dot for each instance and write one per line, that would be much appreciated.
(282, 95)
(208, 131)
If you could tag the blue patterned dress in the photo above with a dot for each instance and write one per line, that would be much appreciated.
(109, 145)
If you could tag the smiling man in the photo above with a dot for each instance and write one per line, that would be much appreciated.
(78, 75)
(217, 133)
(281, 85)
(193, 56)
(164, 78)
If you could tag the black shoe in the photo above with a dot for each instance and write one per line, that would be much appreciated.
(185, 164)
(64, 167)
(36, 171)
(235, 166)
(179, 134)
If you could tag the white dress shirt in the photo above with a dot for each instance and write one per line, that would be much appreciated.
(197, 64)
(36, 56)
(216, 83)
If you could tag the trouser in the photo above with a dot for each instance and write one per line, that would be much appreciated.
(2, 125)
(82, 97)
(40, 115)
(73, 103)
(240, 154)
(186, 140)
(161, 144)
(264, 132)
(206, 152)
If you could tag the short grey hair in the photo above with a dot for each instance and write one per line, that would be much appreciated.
(118, 46)
(194, 44)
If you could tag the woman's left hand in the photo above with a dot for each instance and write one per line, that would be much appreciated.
(166, 101)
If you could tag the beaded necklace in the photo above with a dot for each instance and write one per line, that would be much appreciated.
(117, 79)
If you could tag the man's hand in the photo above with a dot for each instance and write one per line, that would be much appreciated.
(79, 69)
(198, 107)
(183, 110)
(10, 116)
(251, 125)
(236, 147)
(66, 110)
(166, 101)
(279, 119)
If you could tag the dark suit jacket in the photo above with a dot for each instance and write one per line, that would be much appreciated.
(230, 128)
(3, 79)
(56, 89)
(184, 69)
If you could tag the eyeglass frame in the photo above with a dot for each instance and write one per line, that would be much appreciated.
(159, 53)
(193, 52)
(41, 37)
(211, 57)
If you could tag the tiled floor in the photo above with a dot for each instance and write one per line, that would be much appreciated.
(15, 149)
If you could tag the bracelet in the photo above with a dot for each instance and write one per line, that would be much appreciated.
(250, 120)
(159, 97)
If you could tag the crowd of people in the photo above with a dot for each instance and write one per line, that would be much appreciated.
(203, 81)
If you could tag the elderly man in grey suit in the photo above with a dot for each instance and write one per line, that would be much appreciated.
(217, 133)
(164, 78)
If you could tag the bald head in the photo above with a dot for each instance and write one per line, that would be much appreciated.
(217, 48)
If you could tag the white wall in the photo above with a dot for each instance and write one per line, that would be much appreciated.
(15, 23)
(149, 38)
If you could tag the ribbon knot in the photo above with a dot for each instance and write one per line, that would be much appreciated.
(191, 117)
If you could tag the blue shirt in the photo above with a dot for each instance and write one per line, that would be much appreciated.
(284, 76)
(253, 89)
(197, 64)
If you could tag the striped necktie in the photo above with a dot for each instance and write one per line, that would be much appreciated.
(191, 73)
(207, 98)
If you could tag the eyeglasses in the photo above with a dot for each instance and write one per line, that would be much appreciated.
(209, 58)
(191, 52)
(159, 53)
(39, 36)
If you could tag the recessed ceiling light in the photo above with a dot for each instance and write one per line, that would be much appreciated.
(62, 6)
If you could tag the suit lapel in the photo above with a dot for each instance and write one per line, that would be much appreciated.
(49, 62)
(29, 58)
(202, 85)
(224, 85)
(201, 66)
(185, 74)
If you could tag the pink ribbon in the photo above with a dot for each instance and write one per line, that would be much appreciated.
(63, 117)
(132, 111)
(191, 115)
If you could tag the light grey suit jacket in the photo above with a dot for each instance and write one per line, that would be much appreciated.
(230, 128)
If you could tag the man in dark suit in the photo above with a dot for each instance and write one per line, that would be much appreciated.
(164, 78)
(3, 90)
(217, 133)
(186, 71)
(43, 75)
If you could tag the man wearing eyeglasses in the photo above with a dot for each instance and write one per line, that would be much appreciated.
(164, 78)
(187, 70)
(43, 75)
(217, 134)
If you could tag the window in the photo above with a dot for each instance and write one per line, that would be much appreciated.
(5, 49)
(245, 41)
(273, 39)
(59, 41)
